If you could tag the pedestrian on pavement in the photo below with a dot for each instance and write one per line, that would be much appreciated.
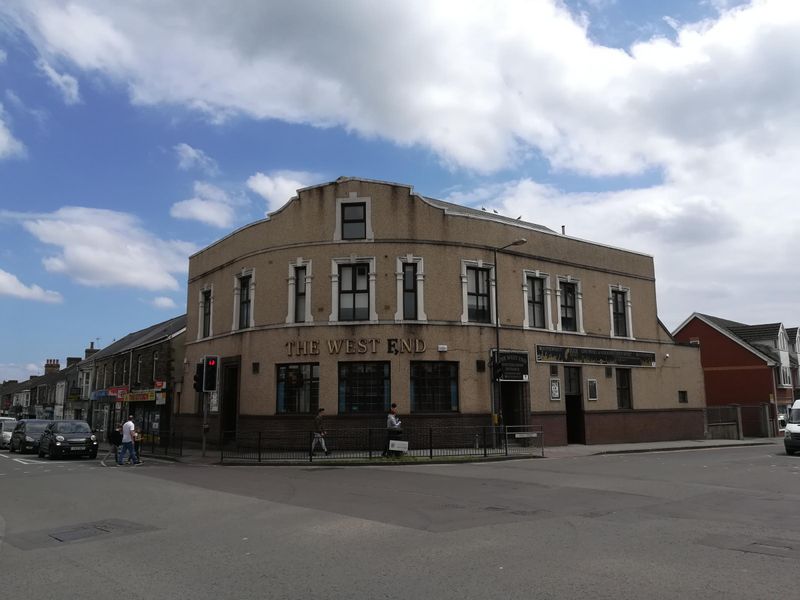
(128, 433)
(393, 430)
(115, 439)
(319, 433)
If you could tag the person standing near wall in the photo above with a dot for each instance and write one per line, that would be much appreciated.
(393, 430)
(115, 439)
(319, 433)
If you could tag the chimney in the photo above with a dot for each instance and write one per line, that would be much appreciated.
(90, 350)
(73, 360)
(52, 366)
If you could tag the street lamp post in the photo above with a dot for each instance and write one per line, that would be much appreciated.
(496, 407)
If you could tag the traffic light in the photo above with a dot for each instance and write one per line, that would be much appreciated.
(198, 377)
(210, 373)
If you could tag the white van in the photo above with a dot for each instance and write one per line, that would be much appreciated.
(791, 435)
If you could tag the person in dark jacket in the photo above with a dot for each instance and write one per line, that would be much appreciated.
(115, 439)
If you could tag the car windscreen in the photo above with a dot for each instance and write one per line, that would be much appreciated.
(34, 427)
(794, 415)
(7, 425)
(73, 428)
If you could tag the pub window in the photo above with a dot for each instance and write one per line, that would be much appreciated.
(434, 386)
(364, 387)
(569, 305)
(354, 292)
(354, 221)
(299, 294)
(619, 301)
(624, 400)
(206, 313)
(536, 304)
(298, 388)
(478, 306)
(244, 302)
(683, 396)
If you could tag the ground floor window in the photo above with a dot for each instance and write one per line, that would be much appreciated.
(434, 386)
(364, 387)
(298, 388)
(624, 388)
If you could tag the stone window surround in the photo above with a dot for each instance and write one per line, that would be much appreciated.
(246, 272)
(628, 310)
(548, 294)
(351, 260)
(477, 264)
(292, 286)
(353, 198)
(578, 303)
(401, 260)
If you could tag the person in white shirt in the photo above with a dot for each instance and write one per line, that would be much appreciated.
(128, 437)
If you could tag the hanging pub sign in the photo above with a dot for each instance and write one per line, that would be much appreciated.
(595, 356)
(511, 366)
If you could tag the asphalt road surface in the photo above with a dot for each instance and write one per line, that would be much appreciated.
(714, 523)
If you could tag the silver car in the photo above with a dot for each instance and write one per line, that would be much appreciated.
(6, 427)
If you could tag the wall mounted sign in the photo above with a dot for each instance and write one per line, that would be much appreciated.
(355, 346)
(595, 356)
(555, 388)
(511, 366)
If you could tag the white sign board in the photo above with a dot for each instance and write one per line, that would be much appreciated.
(398, 446)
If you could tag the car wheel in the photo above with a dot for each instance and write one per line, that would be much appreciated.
(41, 452)
(93, 455)
(790, 452)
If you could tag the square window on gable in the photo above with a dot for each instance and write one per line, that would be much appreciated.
(354, 221)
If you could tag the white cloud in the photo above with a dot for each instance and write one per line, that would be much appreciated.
(10, 147)
(278, 187)
(715, 111)
(3, 56)
(106, 248)
(10, 285)
(210, 205)
(190, 158)
(164, 302)
(66, 84)
(19, 372)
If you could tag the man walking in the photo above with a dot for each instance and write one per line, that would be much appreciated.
(115, 439)
(128, 433)
(319, 433)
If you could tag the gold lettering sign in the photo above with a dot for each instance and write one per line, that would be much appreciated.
(355, 346)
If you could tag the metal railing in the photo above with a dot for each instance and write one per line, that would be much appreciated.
(373, 443)
(164, 443)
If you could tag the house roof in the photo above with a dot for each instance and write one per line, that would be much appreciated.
(745, 335)
(143, 337)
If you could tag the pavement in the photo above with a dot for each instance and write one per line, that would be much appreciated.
(195, 456)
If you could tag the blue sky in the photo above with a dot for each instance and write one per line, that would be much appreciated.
(132, 134)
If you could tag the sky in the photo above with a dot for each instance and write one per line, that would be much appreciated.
(132, 134)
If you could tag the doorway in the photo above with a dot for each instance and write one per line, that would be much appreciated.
(514, 403)
(229, 400)
(573, 398)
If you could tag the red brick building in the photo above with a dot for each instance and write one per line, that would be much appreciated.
(747, 365)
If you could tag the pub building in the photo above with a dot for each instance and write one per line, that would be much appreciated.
(359, 293)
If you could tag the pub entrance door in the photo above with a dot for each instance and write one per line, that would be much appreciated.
(573, 398)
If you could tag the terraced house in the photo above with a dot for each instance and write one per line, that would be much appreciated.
(359, 293)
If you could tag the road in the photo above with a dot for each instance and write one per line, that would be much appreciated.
(694, 524)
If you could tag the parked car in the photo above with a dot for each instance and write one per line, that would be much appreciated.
(7, 425)
(25, 437)
(68, 438)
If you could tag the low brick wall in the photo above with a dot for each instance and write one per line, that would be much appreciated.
(625, 427)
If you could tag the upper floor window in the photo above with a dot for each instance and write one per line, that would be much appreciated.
(569, 307)
(354, 221)
(299, 281)
(354, 292)
(570, 310)
(536, 302)
(786, 376)
(206, 313)
(353, 218)
(353, 289)
(299, 294)
(410, 287)
(244, 286)
(478, 303)
(409, 291)
(619, 312)
(155, 366)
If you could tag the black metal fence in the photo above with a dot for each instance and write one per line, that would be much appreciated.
(371, 443)
(164, 443)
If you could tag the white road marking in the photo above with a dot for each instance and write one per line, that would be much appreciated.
(29, 461)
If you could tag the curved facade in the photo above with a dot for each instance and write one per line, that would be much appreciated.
(359, 293)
